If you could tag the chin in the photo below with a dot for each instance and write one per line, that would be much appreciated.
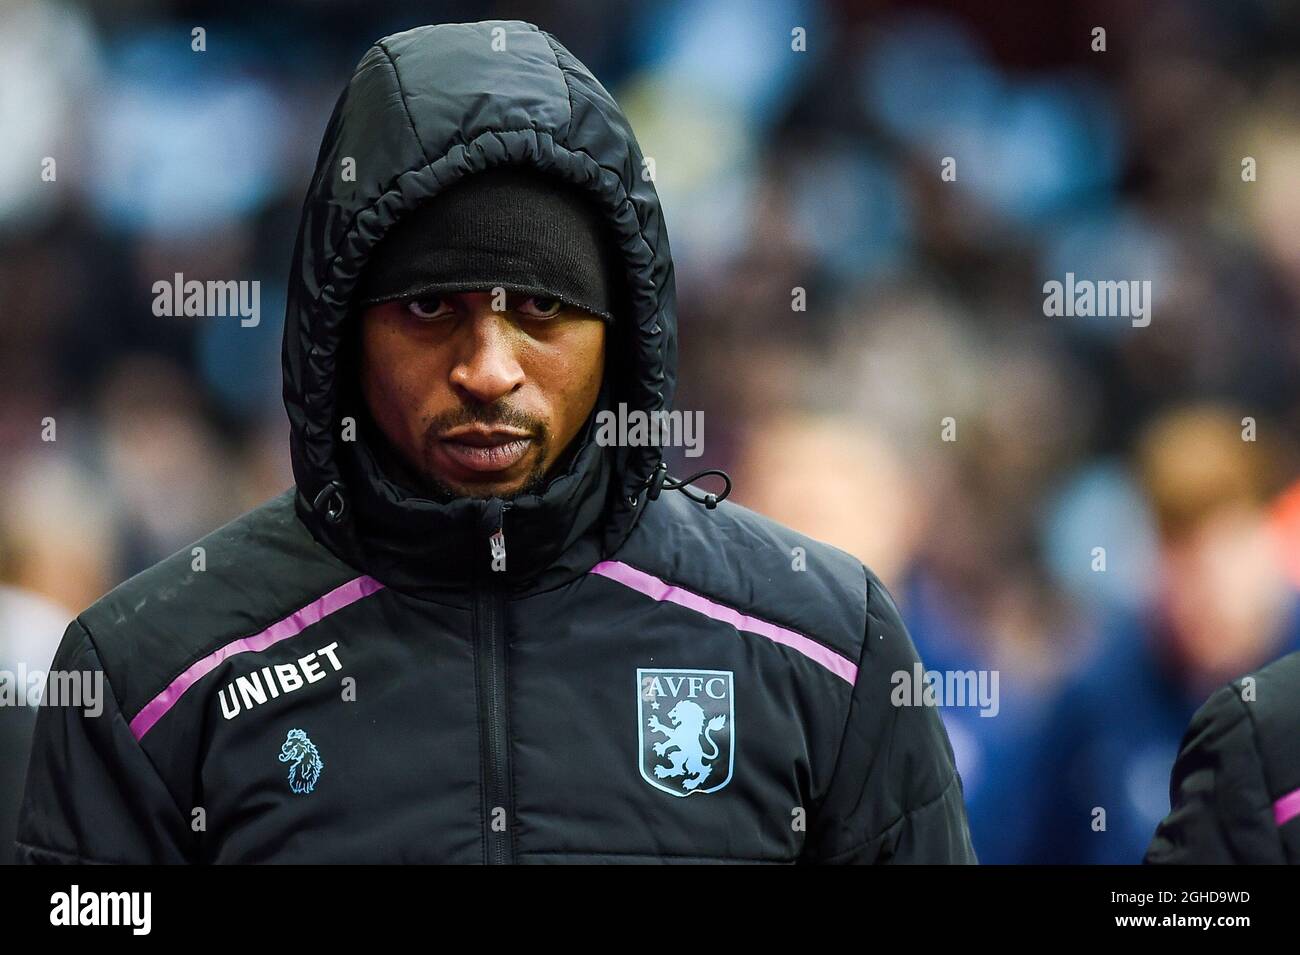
(483, 490)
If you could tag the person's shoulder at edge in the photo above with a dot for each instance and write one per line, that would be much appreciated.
(235, 581)
(738, 557)
(1235, 786)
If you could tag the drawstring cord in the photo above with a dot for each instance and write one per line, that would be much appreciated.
(660, 481)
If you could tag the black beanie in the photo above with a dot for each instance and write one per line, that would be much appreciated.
(509, 227)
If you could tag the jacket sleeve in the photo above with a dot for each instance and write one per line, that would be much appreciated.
(92, 794)
(895, 795)
(1220, 808)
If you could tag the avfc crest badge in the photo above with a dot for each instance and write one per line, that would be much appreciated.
(687, 722)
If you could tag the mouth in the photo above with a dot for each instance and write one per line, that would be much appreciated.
(480, 452)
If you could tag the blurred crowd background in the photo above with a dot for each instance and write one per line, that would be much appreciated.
(779, 170)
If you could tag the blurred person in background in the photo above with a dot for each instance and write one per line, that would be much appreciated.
(30, 627)
(1222, 605)
(58, 523)
(1235, 788)
(864, 504)
(55, 553)
(165, 468)
(954, 521)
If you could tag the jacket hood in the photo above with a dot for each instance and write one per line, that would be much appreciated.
(423, 109)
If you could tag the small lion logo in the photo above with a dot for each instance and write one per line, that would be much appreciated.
(304, 761)
(695, 754)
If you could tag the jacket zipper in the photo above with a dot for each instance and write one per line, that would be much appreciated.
(490, 654)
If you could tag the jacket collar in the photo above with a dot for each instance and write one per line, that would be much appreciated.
(438, 549)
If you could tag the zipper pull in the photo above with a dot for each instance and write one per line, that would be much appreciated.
(494, 518)
(498, 544)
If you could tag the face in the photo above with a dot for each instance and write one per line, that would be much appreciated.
(481, 403)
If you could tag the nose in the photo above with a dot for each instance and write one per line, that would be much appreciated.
(487, 368)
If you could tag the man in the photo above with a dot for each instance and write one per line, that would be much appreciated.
(1221, 606)
(474, 632)
(1235, 789)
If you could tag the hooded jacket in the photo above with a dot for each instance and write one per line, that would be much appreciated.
(351, 675)
(1235, 789)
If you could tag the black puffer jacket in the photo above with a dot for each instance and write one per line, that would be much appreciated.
(1235, 790)
(347, 678)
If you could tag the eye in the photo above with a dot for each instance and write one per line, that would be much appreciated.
(430, 306)
(538, 306)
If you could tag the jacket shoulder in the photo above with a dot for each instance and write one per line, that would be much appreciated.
(1275, 703)
(755, 565)
(1237, 772)
(234, 582)
(1274, 711)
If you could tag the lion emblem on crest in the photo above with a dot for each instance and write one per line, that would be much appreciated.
(304, 761)
(684, 745)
